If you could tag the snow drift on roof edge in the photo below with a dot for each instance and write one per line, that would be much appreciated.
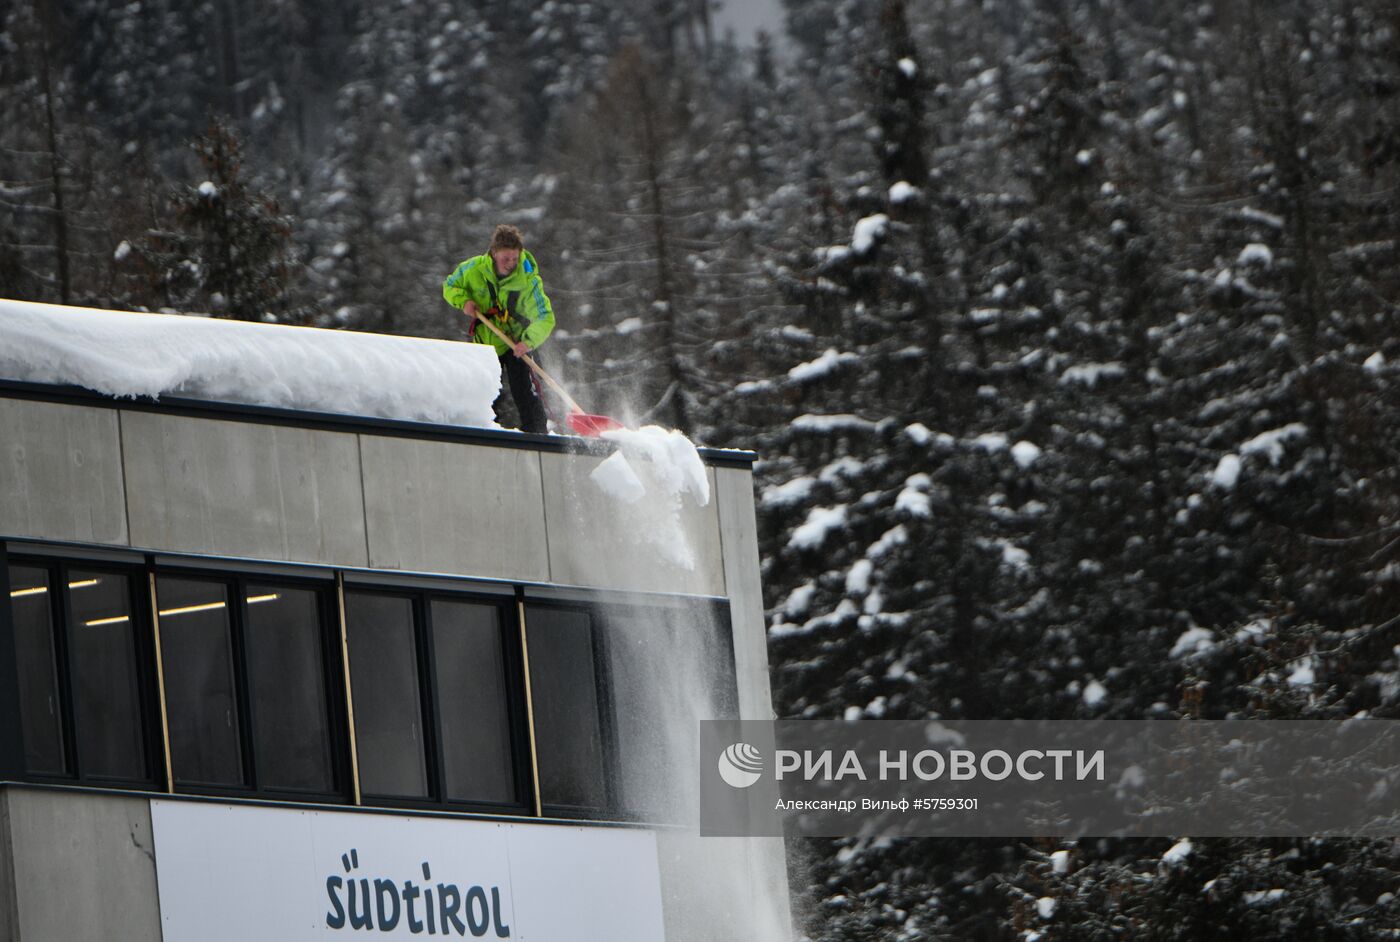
(303, 368)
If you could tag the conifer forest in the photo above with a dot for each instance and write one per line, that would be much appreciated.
(1067, 333)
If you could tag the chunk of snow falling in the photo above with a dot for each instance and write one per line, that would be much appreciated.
(669, 469)
(617, 479)
(304, 368)
(673, 457)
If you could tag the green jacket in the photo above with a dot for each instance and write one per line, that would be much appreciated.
(519, 296)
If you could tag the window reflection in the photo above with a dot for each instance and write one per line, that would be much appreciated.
(287, 687)
(106, 687)
(568, 728)
(41, 718)
(384, 676)
(202, 706)
(471, 683)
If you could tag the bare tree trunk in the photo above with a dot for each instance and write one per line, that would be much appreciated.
(60, 215)
(664, 292)
(231, 66)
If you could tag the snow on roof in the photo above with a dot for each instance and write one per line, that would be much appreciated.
(304, 368)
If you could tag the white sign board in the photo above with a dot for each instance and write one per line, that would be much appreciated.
(238, 872)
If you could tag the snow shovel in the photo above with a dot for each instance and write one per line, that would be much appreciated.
(581, 423)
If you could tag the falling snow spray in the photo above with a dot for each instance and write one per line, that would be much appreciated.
(653, 485)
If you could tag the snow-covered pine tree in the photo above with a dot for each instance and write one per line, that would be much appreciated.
(227, 248)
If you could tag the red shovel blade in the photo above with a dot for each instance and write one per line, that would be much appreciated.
(591, 426)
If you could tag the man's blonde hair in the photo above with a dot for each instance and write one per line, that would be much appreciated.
(506, 237)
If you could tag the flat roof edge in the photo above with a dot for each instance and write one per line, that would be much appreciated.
(296, 804)
(335, 421)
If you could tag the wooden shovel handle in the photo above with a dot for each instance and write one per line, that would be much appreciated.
(539, 370)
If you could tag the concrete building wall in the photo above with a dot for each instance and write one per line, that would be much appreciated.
(61, 472)
(447, 507)
(82, 867)
(605, 543)
(181, 484)
(243, 489)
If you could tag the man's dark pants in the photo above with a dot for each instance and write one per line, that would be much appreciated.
(525, 390)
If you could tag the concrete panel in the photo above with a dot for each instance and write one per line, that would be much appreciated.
(9, 911)
(84, 867)
(453, 508)
(601, 541)
(61, 472)
(739, 537)
(243, 489)
(723, 887)
(766, 858)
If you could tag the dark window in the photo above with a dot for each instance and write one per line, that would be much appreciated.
(478, 763)
(287, 688)
(568, 728)
(105, 676)
(669, 667)
(385, 680)
(41, 711)
(255, 694)
(202, 706)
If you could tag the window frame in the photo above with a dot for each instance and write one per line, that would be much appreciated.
(58, 569)
(611, 756)
(516, 705)
(332, 588)
(596, 605)
(235, 583)
(429, 702)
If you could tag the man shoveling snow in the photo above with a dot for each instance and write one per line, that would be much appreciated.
(504, 286)
(517, 321)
